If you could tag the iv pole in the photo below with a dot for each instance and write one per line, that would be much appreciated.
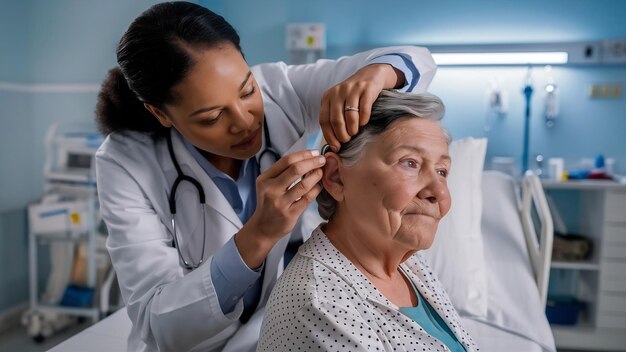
(528, 92)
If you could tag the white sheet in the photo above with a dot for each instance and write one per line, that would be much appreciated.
(514, 308)
(493, 339)
(108, 335)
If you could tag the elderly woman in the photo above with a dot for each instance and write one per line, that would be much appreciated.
(358, 284)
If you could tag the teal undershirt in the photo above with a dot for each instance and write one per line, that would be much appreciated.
(431, 322)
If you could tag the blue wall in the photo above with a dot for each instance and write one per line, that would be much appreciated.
(584, 129)
(14, 42)
(16, 117)
(357, 23)
(75, 40)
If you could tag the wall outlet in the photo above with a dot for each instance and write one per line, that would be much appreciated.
(306, 36)
(605, 91)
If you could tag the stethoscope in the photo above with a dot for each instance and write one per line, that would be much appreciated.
(269, 151)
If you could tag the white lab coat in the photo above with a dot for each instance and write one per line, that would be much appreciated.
(173, 309)
(322, 302)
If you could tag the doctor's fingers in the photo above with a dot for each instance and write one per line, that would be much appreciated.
(359, 108)
(346, 107)
(367, 99)
(340, 105)
(337, 115)
(303, 202)
(296, 172)
(287, 161)
(303, 187)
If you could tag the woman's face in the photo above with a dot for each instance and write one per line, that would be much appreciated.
(218, 106)
(398, 191)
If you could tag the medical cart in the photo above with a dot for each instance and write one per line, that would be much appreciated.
(67, 219)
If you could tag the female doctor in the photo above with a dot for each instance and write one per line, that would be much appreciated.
(204, 172)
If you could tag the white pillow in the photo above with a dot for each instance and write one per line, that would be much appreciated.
(456, 256)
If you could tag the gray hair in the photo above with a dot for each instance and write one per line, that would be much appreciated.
(390, 106)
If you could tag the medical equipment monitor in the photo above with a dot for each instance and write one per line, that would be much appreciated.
(78, 161)
(70, 159)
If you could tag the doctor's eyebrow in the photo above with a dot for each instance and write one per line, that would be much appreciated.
(243, 84)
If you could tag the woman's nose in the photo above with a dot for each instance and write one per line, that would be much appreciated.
(241, 119)
(434, 189)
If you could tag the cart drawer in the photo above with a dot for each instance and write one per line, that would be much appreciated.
(611, 321)
(613, 275)
(609, 303)
(615, 206)
(614, 251)
(614, 233)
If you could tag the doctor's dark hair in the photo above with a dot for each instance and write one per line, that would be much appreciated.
(156, 53)
(390, 106)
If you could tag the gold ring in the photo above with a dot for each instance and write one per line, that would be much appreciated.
(350, 108)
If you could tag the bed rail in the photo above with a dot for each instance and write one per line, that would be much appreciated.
(535, 215)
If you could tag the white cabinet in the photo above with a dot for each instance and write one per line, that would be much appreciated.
(612, 297)
(601, 280)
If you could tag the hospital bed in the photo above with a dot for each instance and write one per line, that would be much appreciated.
(517, 261)
(517, 268)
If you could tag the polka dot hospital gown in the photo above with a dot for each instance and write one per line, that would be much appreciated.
(322, 302)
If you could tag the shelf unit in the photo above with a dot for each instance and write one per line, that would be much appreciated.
(583, 265)
(600, 280)
(66, 216)
(35, 239)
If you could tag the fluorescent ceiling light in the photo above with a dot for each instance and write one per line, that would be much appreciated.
(511, 58)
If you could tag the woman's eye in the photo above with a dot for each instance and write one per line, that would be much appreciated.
(249, 93)
(210, 121)
(410, 163)
(443, 172)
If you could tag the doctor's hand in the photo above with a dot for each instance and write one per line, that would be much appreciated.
(283, 192)
(347, 105)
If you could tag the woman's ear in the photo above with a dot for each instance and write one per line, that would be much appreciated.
(164, 120)
(332, 180)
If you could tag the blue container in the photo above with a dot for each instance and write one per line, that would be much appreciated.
(77, 296)
(562, 310)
